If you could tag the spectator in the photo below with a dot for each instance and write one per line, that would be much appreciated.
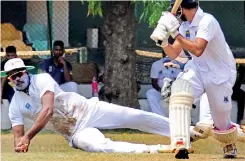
(59, 68)
(6, 89)
(163, 68)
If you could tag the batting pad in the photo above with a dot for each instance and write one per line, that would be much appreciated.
(180, 105)
(201, 130)
(226, 136)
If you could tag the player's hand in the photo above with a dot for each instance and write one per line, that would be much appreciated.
(171, 65)
(166, 88)
(160, 36)
(170, 22)
(23, 144)
(61, 60)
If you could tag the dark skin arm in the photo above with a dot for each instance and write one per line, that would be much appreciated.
(42, 119)
(155, 84)
(68, 76)
(4, 82)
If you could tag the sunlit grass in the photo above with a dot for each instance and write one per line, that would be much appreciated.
(51, 147)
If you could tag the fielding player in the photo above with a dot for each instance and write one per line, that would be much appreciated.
(211, 70)
(39, 97)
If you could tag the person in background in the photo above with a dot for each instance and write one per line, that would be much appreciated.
(7, 91)
(59, 68)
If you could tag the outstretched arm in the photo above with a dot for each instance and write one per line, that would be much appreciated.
(42, 119)
(18, 132)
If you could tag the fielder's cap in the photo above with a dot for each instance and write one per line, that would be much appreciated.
(12, 64)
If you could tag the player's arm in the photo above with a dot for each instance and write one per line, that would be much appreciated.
(196, 47)
(67, 71)
(155, 84)
(173, 51)
(154, 76)
(18, 132)
(44, 115)
(3, 84)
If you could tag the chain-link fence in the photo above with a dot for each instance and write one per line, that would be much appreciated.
(26, 25)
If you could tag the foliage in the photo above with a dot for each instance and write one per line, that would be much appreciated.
(94, 7)
(149, 11)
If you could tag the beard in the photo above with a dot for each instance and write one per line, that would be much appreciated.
(183, 18)
(23, 83)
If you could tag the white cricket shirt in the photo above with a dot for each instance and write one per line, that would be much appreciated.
(217, 58)
(70, 109)
(159, 71)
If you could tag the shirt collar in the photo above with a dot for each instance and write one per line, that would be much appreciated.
(199, 14)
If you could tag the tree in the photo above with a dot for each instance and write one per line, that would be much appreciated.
(119, 30)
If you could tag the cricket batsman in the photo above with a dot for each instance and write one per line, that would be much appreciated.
(211, 70)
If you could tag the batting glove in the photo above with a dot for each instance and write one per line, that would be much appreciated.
(160, 36)
(170, 22)
(166, 88)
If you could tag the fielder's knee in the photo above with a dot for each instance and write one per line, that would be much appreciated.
(88, 139)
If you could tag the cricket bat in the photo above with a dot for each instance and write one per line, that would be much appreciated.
(176, 7)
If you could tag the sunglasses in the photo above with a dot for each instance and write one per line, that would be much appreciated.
(17, 74)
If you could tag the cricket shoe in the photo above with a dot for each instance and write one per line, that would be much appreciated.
(182, 153)
(230, 151)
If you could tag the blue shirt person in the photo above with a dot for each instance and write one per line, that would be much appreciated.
(59, 68)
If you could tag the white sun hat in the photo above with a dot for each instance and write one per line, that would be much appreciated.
(15, 63)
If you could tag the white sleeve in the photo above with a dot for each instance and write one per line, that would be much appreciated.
(207, 28)
(45, 83)
(154, 70)
(15, 115)
(181, 30)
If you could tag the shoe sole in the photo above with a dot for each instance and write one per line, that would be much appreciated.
(182, 154)
(229, 156)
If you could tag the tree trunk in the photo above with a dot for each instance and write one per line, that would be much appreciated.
(120, 59)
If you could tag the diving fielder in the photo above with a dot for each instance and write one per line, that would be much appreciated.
(211, 70)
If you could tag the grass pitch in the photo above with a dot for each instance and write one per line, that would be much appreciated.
(52, 147)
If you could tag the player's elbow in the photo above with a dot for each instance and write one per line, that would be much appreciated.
(199, 53)
(50, 111)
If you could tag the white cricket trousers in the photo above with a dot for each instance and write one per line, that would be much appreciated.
(111, 116)
(219, 95)
(154, 97)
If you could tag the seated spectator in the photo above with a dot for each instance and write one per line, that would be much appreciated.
(163, 68)
(59, 68)
(6, 89)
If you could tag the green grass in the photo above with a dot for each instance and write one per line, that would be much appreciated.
(51, 147)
